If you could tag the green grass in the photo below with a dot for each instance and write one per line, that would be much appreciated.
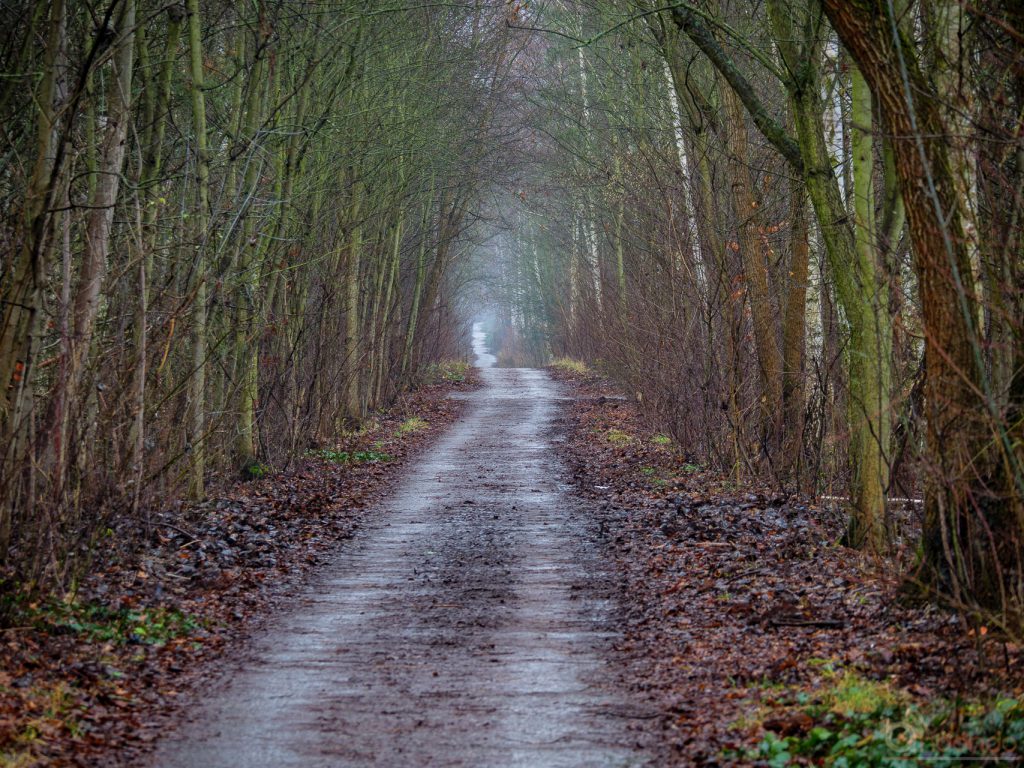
(410, 425)
(651, 473)
(569, 365)
(618, 437)
(661, 440)
(851, 694)
(54, 709)
(367, 427)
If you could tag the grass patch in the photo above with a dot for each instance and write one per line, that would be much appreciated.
(363, 429)
(451, 371)
(410, 425)
(569, 365)
(854, 721)
(651, 473)
(851, 695)
(9, 759)
(349, 457)
(49, 711)
(618, 437)
(661, 440)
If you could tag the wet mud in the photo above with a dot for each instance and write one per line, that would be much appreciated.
(469, 623)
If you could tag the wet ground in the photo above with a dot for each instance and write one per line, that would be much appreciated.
(468, 624)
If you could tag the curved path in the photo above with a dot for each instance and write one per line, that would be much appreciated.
(464, 626)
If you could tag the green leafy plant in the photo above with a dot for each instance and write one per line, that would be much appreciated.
(329, 454)
(100, 623)
(861, 722)
(365, 457)
(345, 457)
(256, 470)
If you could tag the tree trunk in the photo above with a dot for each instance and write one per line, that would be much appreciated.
(98, 224)
(21, 287)
(749, 227)
(794, 328)
(196, 437)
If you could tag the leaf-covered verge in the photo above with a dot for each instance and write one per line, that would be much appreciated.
(93, 678)
(763, 640)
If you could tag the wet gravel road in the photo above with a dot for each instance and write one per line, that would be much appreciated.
(467, 624)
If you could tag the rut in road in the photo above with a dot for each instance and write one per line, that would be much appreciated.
(467, 624)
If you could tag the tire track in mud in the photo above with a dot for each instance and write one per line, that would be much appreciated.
(468, 624)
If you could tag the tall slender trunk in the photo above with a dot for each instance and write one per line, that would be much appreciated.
(749, 225)
(196, 436)
(157, 108)
(709, 225)
(794, 329)
(98, 224)
(21, 289)
(870, 357)
(408, 361)
(353, 329)
(246, 345)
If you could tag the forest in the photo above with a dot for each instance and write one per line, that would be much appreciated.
(758, 267)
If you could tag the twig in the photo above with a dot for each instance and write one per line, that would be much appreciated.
(179, 530)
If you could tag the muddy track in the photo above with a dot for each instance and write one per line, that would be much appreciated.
(468, 624)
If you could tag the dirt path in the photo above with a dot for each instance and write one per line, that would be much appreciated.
(466, 625)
